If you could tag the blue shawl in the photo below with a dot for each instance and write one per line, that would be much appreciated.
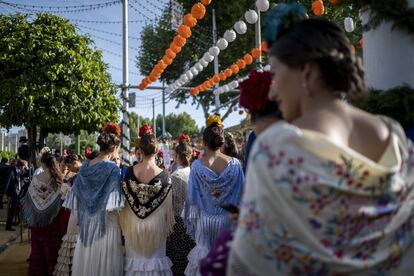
(208, 190)
(92, 188)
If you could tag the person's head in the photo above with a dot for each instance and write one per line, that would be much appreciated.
(312, 60)
(213, 135)
(229, 148)
(109, 140)
(147, 144)
(73, 163)
(21, 164)
(4, 160)
(183, 152)
(50, 164)
(23, 140)
(254, 93)
(117, 160)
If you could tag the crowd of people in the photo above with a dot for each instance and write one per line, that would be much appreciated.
(328, 187)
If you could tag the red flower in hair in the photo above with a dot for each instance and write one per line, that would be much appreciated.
(110, 127)
(183, 139)
(145, 129)
(196, 153)
(88, 152)
(254, 91)
(160, 154)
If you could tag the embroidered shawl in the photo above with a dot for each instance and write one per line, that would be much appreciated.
(93, 188)
(41, 203)
(314, 207)
(179, 188)
(148, 217)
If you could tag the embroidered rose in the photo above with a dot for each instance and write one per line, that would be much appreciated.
(216, 192)
(284, 253)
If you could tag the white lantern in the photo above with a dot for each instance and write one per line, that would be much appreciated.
(225, 88)
(199, 67)
(216, 92)
(349, 24)
(194, 71)
(222, 44)
(179, 83)
(251, 16)
(189, 75)
(262, 5)
(234, 84)
(214, 51)
(229, 35)
(240, 27)
(203, 63)
(266, 68)
(207, 57)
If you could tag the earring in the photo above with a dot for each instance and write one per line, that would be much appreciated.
(305, 86)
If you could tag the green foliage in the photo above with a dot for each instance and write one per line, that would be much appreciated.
(135, 122)
(398, 12)
(50, 77)
(8, 154)
(53, 141)
(396, 103)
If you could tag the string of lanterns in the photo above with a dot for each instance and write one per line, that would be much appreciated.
(62, 9)
(229, 36)
(198, 12)
(228, 72)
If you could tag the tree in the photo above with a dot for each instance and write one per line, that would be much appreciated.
(135, 122)
(156, 39)
(51, 78)
(176, 124)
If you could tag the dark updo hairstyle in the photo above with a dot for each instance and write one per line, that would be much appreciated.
(71, 158)
(148, 144)
(230, 147)
(184, 153)
(213, 137)
(109, 138)
(49, 160)
(324, 43)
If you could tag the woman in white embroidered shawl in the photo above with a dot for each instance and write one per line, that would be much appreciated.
(332, 192)
(96, 198)
(148, 216)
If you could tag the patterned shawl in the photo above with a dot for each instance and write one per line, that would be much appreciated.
(92, 189)
(41, 203)
(148, 218)
(314, 207)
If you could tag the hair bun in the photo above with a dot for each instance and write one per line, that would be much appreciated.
(110, 127)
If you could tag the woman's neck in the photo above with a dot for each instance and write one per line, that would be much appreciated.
(149, 160)
(211, 153)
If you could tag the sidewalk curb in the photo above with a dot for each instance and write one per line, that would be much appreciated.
(4, 246)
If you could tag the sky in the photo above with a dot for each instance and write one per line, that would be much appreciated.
(108, 38)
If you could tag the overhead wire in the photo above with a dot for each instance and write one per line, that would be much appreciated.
(106, 32)
(109, 40)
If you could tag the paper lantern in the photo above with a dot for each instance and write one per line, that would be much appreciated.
(175, 48)
(141, 86)
(179, 40)
(184, 78)
(203, 63)
(222, 76)
(229, 35)
(241, 64)
(210, 83)
(234, 84)
(198, 11)
(199, 67)
(235, 69)
(264, 47)
(194, 71)
(349, 24)
(189, 75)
(256, 53)
(228, 72)
(184, 31)
(251, 16)
(162, 64)
(318, 8)
(214, 51)
(216, 79)
(222, 44)
(226, 88)
(167, 60)
(262, 5)
(193, 92)
(189, 20)
(248, 59)
(170, 53)
(267, 68)
(207, 57)
(152, 78)
(206, 2)
(240, 27)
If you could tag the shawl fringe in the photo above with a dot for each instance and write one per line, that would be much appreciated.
(146, 235)
(40, 218)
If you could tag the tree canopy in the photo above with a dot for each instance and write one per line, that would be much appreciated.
(52, 78)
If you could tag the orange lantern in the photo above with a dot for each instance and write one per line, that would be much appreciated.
(179, 41)
(162, 64)
(228, 72)
(141, 86)
(167, 60)
(241, 64)
(256, 53)
(190, 20)
(152, 78)
(206, 2)
(248, 59)
(198, 11)
(216, 79)
(184, 31)
(175, 48)
(210, 83)
(192, 92)
(222, 76)
(170, 53)
(318, 8)
(235, 68)
(264, 46)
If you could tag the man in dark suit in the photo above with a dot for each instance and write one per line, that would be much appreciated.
(23, 151)
(4, 178)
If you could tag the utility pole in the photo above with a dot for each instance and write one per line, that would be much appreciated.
(61, 143)
(153, 117)
(163, 111)
(15, 143)
(258, 35)
(125, 98)
(216, 63)
(2, 139)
